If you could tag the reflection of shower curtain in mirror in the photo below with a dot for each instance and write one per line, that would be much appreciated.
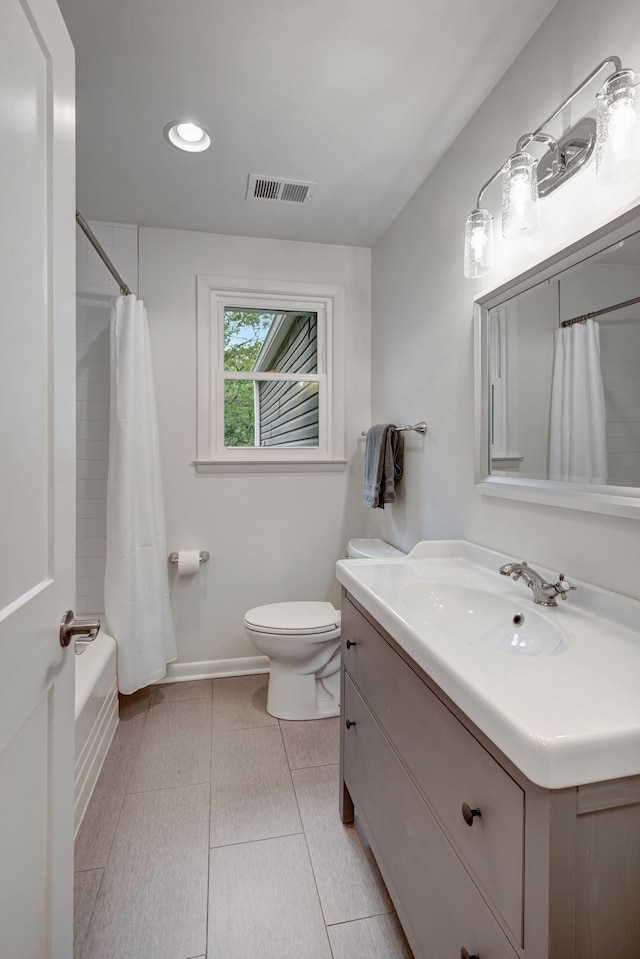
(577, 445)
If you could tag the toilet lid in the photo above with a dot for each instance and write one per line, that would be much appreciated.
(293, 618)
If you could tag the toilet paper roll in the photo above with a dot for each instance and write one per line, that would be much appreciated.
(188, 562)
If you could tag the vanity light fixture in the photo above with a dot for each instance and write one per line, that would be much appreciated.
(520, 213)
(615, 137)
(188, 136)
(618, 137)
(478, 244)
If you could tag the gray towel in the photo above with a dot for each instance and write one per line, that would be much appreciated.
(383, 459)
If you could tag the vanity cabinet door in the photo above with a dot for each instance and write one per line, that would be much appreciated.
(439, 906)
(448, 764)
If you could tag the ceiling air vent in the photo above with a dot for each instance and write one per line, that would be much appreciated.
(279, 189)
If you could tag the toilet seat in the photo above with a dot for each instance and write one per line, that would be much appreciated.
(296, 618)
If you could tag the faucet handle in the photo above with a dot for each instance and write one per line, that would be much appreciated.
(563, 587)
(514, 570)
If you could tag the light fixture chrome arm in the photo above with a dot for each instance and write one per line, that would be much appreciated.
(486, 187)
(616, 61)
(528, 138)
(537, 134)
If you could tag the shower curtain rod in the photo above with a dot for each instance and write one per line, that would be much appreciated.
(609, 309)
(91, 237)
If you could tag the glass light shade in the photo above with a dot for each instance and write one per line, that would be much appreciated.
(520, 213)
(478, 244)
(618, 128)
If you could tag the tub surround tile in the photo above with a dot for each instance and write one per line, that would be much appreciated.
(348, 879)
(177, 692)
(380, 937)
(315, 742)
(240, 702)
(153, 897)
(175, 748)
(252, 795)
(85, 891)
(263, 902)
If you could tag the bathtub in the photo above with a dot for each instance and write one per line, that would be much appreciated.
(96, 716)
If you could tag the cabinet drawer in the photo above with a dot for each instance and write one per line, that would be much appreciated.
(448, 764)
(438, 903)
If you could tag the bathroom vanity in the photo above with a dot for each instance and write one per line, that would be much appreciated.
(457, 758)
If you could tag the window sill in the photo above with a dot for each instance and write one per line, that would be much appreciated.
(270, 466)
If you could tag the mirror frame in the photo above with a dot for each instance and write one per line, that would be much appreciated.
(616, 500)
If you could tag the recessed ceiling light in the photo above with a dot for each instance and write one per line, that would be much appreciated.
(187, 136)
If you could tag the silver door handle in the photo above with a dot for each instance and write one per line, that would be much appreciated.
(82, 630)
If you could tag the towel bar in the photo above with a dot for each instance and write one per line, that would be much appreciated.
(420, 427)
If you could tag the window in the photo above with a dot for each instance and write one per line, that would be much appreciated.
(269, 376)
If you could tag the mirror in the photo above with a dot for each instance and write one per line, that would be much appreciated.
(558, 377)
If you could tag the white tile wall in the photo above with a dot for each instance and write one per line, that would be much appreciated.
(96, 291)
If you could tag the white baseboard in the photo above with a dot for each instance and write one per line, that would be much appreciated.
(90, 760)
(215, 668)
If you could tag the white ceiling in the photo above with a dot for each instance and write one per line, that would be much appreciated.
(363, 96)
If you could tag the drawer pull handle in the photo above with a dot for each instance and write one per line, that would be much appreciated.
(349, 723)
(467, 814)
(465, 955)
(350, 643)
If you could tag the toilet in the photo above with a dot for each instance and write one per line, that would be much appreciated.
(302, 641)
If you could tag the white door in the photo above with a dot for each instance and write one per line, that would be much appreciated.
(37, 479)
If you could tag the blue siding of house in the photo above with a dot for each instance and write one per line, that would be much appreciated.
(289, 411)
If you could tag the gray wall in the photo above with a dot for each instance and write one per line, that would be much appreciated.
(423, 308)
(273, 536)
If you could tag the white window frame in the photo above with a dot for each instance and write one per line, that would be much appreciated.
(214, 294)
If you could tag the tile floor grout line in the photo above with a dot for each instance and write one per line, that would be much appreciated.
(184, 699)
(247, 842)
(230, 729)
(374, 915)
(304, 833)
(92, 914)
(158, 789)
(315, 882)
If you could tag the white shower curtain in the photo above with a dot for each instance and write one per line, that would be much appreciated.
(577, 447)
(137, 606)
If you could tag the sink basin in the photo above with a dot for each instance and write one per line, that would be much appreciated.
(563, 720)
(482, 618)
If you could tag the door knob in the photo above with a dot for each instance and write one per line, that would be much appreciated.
(82, 630)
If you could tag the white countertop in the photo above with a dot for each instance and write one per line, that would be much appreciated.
(563, 720)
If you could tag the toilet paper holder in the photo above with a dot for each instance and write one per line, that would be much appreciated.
(205, 556)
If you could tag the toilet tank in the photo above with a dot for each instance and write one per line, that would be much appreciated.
(372, 549)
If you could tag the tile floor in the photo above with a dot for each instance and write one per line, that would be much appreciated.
(214, 832)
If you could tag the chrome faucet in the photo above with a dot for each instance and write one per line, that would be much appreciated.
(544, 594)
